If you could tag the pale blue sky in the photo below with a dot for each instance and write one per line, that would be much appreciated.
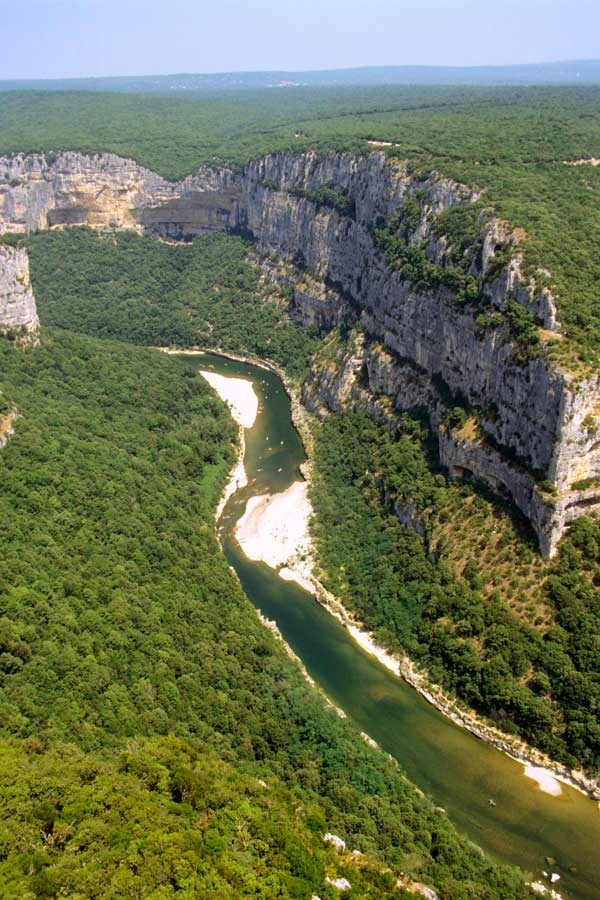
(54, 38)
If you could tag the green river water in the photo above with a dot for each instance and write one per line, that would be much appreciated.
(460, 772)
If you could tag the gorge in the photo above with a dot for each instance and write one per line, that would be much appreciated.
(331, 230)
(429, 283)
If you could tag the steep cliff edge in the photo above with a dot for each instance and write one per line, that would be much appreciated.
(434, 282)
(107, 191)
(18, 313)
(18, 318)
(437, 324)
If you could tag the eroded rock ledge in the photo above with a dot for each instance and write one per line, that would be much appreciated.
(18, 313)
(107, 191)
(535, 435)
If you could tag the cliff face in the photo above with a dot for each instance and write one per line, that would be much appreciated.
(423, 344)
(438, 337)
(6, 427)
(422, 348)
(18, 311)
(106, 191)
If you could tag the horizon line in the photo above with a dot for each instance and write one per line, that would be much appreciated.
(359, 68)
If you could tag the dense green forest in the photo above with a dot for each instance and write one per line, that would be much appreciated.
(536, 125)
(231, 127)
(138, 289)
(163, 819)
(120, 619)
(512, 143)
(541, 685)
(465, 633)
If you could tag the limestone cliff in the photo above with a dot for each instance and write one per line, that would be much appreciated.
(6, 425)
(427, 342)
(422, 347)
(106, 191)
(18, 313)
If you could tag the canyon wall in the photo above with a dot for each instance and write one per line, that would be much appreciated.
(535, 425)
(106, 191)
(534, 429)
(18, 313)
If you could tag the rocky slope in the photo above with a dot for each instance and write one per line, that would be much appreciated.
(106, 191)
(436, 329)
(18, 313)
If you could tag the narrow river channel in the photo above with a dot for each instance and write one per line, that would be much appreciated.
(522, 825)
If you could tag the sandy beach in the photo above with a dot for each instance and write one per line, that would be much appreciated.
(238, 393)
(237, 479)
(546, 780)
(240, 396)
(274, 528)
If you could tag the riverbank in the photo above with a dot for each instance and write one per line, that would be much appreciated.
(547, 773)
(300, 415)
(300, 567)
(537, 766)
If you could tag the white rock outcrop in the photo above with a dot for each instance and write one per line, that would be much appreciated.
(18, 312)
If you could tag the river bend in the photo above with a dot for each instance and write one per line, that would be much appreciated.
(484, 792)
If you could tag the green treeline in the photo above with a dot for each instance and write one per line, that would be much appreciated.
(120, 619)
(141, 290)
(511, 143)
(542, 687)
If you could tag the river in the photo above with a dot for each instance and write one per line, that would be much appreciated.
(460, 772)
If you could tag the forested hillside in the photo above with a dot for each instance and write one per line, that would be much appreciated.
(536, 679)
(120, 619)
(140, 290)
(164, 819)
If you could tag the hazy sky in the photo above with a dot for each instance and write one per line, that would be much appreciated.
(52, 38)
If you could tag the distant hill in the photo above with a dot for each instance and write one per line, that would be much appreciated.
(571, 72)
